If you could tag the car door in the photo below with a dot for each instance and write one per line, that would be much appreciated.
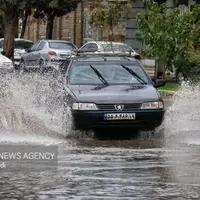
(36, 53)
(39, 53)
(28, 58)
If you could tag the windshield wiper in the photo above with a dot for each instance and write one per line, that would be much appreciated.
(99, 75)
(134, 74)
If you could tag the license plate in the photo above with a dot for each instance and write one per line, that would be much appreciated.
(119, 116)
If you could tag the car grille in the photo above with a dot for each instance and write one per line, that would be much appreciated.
(112, 106)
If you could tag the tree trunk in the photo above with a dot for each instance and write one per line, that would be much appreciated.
(111, 36)
(10, 22)
(49, 27)
(24, 22)
(1, 27)
(111, 32)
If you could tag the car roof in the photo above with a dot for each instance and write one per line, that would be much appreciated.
(64, 41)
(104, 58)
(107, 42)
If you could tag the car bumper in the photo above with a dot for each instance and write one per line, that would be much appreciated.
(6, 70)
(55, 63)
(144, 120)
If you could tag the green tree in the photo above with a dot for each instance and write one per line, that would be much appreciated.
(106, 14)
(168, 37)
(50, 9)
(11, 10)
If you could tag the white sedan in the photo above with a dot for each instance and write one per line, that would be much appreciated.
(6, 65)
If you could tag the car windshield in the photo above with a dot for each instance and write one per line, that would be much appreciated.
(62, 45)
(107, 74)
(19, 44)
(116, 47)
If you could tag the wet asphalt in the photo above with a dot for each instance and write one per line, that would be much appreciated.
(143, 168)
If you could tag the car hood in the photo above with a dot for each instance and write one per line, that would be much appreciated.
(115, 94)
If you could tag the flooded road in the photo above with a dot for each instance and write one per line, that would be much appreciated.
(89, 169)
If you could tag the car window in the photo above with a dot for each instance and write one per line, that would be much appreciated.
(33, 47)
(41, 46)
(116, 47)
(64, 66)
(83, 74)
(19, 44)
(86, 47)
(93, 47)
(62, 45)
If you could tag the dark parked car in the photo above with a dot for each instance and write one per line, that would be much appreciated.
(111, 91)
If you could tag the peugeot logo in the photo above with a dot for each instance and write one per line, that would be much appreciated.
(119, 107)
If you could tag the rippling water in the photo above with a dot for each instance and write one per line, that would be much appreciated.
(88, 169)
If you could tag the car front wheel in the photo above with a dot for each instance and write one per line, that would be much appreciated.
(22, 67)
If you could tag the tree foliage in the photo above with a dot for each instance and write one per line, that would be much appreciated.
(11, 10)
(50, 9)
(106, 14)
(168, 36)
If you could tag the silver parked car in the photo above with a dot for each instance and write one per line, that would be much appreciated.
(47, 54)
(103, 46)
(20, 46)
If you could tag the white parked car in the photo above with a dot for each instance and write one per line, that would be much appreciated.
(109, 47)
(20, 47)
(6, 65)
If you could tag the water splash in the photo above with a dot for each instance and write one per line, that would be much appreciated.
(182, 118)
(33, 103)
(182, 134)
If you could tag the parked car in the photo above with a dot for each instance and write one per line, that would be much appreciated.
(111, 90)
(102, 46)
(6, 65)
(47, 54)
(20, 46)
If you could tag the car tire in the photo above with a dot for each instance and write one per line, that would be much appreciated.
(41, 64)
(75, 126)
(22, 67)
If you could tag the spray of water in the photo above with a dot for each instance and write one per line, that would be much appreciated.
(182, 118)
(182, 133)
(32, 103)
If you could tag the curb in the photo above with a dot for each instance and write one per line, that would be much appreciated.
(166, 92)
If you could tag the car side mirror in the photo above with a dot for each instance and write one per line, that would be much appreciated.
(159, 83)
(27, 50)
(137, 57)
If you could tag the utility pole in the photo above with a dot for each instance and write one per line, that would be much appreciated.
(74, 27)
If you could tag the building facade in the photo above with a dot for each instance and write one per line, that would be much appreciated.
(74, 26)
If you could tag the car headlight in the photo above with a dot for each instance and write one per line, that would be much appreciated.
(84, 106)
(152, 105)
